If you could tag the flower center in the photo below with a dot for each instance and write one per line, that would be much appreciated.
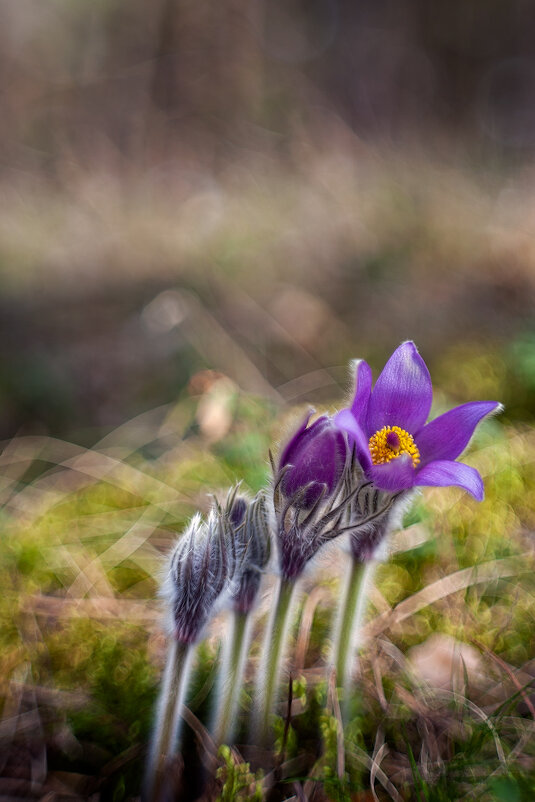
(391, 442)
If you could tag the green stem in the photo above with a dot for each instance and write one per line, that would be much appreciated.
(166, 730)
(348, 630)
(273, 654)
(230, 678)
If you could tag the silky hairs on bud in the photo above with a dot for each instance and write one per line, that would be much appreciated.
(199, 572)
(370, 517)
(251, 529)
(309, 493)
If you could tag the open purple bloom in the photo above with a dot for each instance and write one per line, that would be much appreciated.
(313, 460)
(395, 446)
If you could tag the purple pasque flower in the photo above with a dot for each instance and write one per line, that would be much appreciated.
(313, 461)
(312, 486)
(395, 446)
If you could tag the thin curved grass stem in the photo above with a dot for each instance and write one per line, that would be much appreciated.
(230, 678)
(166, 731)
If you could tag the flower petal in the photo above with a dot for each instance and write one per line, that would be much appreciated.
(363, 388)
(402, 394)
(398, 474)
(444, 473)
(448, 435)
(317, 460)
(295, 441)
(346, 421)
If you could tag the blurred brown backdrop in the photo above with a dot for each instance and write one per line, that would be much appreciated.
(265, 189)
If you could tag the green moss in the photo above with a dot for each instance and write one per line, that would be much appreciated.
(63, 568)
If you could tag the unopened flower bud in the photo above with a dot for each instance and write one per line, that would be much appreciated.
(250, 522)
(200, 570)
(313, 461)
(311, 490)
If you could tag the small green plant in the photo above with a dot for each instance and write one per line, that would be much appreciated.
(237, 780)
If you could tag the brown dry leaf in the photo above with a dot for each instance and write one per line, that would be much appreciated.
(442, 661)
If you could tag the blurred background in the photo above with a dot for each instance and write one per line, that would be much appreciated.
(263, 189)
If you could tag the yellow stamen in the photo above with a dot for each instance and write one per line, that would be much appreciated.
(391, 442)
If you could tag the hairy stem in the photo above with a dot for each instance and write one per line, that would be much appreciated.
(166, 730)
(230, 677)
(273, 655)
(347, 638)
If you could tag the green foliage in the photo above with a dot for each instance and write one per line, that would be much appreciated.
(285, 738)
(80, 561)
(336, 787)
(111, 664)
(512, 788)
(236, 779)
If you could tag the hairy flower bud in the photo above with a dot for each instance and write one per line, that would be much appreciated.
(310, 493)
(200, 570)
(250, 523)
(370, 516)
